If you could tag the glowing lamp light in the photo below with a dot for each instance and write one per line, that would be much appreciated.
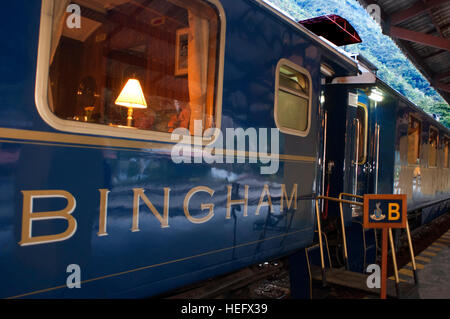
(322, 99)
(131, 97)
(376, 96)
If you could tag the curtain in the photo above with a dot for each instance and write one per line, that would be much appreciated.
(198, 49)
(59, 10)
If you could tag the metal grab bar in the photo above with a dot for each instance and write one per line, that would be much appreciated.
(350, 195)
(355, 186)
(319, 228)
(324, 159)
(340, 200)
(377, 132)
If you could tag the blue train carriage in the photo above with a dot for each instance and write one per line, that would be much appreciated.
(93, 94)
(382, 144)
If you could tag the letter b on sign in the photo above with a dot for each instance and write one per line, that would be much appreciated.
(394, 211)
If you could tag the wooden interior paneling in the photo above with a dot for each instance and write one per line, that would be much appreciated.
(129, 44)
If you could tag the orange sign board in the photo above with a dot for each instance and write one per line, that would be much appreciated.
(385, 211)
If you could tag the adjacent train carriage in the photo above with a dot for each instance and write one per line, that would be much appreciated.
(379, 142)
(97, 98)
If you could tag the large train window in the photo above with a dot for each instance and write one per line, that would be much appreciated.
(293, 98)
(445, 146)
(137, 67)
(414, 131)
(433, 147)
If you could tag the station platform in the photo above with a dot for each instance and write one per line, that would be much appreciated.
(433, 271)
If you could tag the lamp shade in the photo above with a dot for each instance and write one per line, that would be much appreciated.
(132, 95)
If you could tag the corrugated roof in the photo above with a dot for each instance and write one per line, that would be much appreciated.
(428, 18)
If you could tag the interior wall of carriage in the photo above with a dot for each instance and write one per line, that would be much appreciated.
(144, 40)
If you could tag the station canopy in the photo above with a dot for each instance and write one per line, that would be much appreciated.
(421, 29)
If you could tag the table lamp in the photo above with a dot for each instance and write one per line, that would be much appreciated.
(132, 97)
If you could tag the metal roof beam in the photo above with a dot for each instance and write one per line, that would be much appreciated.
(419, 37)
(442, 86)
(432, 55)
(416, 9)
(442, 75)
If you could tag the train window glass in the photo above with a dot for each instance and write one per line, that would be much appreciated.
(433, 148)
(136, 64)
(362, 116)
(446, 163)
(414, 131)
(293, 99)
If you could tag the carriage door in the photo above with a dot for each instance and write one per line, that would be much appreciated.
(360, 172)
(357, 163)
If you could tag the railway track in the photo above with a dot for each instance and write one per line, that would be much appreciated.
(238, 284)
(270, 280)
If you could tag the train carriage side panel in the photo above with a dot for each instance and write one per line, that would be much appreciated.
(419, 173)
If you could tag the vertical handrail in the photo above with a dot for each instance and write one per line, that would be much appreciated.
(377, 132)
(324, 156)
(355, 185)
(322, 259)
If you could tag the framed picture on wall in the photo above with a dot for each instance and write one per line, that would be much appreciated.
(181, 52)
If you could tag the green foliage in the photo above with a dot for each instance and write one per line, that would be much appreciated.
(394, 68)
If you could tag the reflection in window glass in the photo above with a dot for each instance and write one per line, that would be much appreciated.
(293, 99)
(433, 147)
(149, 65)
(292, 111)
(414, 131)
(362, 118)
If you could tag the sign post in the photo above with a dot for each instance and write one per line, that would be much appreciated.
(384, 212)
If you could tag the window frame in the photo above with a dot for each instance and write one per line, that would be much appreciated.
(305, 72)
(419, 147)
(43, 75)
(432, 128)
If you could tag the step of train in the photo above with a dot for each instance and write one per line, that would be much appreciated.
(350, 279)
